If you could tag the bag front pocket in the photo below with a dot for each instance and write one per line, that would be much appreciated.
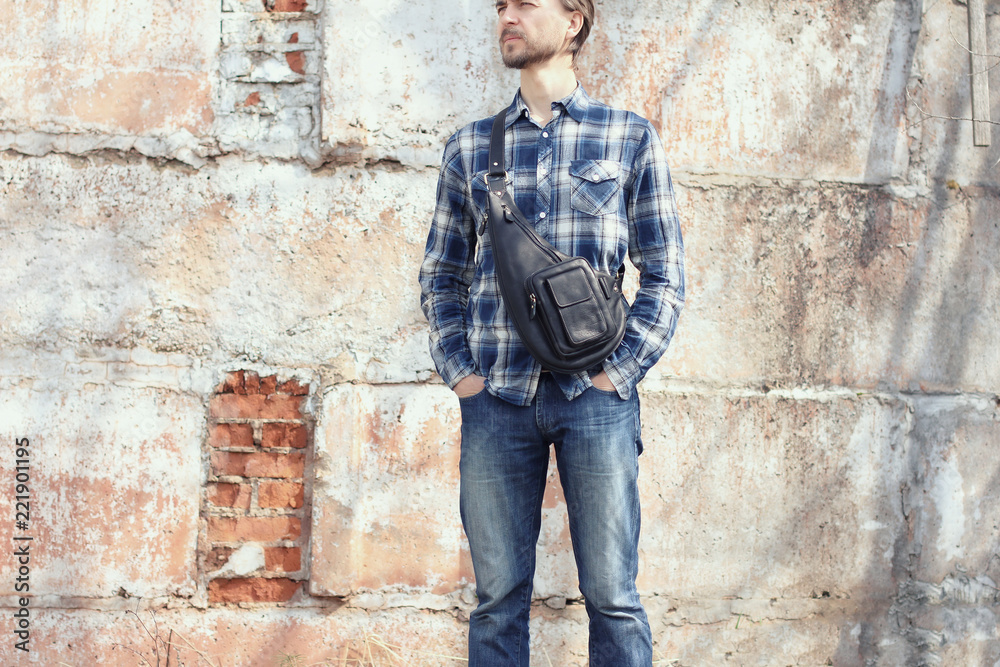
(572, 305)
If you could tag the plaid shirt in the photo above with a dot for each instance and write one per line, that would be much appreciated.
(595, 183)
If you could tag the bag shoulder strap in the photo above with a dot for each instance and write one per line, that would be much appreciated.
(496, 181)
(497, 166)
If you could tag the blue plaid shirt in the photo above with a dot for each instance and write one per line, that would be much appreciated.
(595, 183)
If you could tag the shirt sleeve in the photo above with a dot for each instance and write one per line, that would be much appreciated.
(657, 251)
(448, 269)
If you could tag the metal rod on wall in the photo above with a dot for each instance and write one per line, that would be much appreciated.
(980, 73)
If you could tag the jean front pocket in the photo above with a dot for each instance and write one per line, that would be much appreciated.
(472, 397)
(595, 186)
(606, 392)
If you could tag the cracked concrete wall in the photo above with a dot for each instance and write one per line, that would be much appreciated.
(247, 185)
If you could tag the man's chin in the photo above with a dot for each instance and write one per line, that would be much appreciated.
(513, 60)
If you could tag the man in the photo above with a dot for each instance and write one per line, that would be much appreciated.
(594, 182)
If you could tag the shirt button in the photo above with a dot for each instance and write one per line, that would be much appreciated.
(545, 134)
(542, 215)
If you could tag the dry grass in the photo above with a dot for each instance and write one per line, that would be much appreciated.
(373, 651)
(370, 651)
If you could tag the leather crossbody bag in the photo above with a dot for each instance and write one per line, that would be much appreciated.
(569, 316)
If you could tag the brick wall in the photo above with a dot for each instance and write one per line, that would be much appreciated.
(246, 184)
(255, 500)
(270, 84)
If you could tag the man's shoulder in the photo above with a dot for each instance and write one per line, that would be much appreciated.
(598, 111)
(476, 128)
(470, 137)
(615, 122)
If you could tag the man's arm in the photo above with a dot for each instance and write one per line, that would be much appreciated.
(657, 250)
(448, 269)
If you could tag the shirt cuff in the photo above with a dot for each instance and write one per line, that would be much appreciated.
(452, 374)
(623, 371)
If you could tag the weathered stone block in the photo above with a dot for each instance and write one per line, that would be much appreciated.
(734, 90)
(939, 101)
(385, 90)
(168, 267)
(385, 499)
(956, 634)
(254, 637)
(87, 68)
(839, 286)
(953, 501)
(761, 497)
(115, 476)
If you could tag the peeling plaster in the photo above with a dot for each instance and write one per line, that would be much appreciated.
(820, 479)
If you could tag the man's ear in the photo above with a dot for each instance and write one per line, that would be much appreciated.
(575, 24)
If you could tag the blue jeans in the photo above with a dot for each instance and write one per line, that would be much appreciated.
(505, 453)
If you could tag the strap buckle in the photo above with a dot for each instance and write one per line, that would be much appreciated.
(486, 179)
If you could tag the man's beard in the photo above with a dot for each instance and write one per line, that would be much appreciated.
(531, 54)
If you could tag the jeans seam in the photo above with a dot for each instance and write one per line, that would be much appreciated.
(536, 526)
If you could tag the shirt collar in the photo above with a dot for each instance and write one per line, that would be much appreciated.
(575, 104)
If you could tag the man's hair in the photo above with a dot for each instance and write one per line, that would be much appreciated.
(585, 7)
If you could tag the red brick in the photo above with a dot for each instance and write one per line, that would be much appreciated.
(252, 100)
(231, 383)
(255, 406)
(293, 387)
(218, 557)
(229, 495)
(251, 383)
(258, 464)
(252, 590)
(231, 435)
(268, 385)
(296, 61)
(284, 435)
(294, 39)
(253, 528)
(281, 495)
(289, 5)
(282, 559)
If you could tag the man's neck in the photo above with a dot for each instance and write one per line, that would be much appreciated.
(545, 83)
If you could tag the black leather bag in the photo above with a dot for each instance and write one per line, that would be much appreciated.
(569, 316)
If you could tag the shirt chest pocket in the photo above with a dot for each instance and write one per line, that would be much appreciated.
(595, 186)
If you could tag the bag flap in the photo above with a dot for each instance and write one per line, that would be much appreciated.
(569, 287)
